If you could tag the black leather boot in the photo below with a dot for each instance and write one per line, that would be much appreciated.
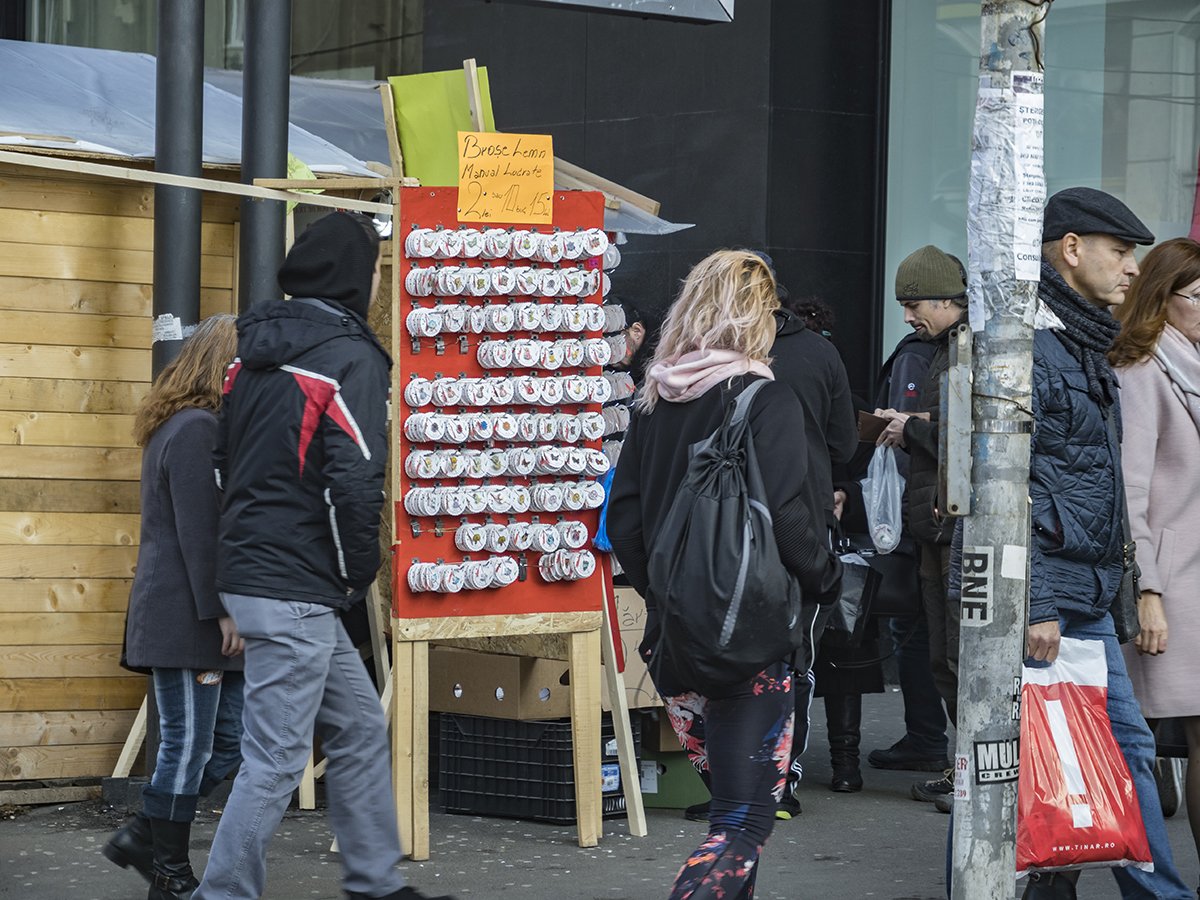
(173, 877)
(132, 845)
(843, 719)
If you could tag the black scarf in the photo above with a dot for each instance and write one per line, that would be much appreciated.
(1088, 335)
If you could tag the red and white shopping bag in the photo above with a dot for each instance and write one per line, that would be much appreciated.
(1076, 805)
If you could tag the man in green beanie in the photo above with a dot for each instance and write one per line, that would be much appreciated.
(931, 285)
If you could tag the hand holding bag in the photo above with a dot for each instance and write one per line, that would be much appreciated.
(1076, 804)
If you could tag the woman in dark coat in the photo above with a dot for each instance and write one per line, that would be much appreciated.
(176, 627)
(715, 343)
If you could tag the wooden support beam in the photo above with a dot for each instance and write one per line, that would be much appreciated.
(133, 744)
(474, 94)
(124, 173)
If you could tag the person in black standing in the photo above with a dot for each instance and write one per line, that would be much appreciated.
(177, 628)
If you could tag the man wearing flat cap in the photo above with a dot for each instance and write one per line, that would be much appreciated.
(1075, 483)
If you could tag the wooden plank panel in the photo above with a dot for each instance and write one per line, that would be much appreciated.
(24, 327)
(40, 495)
(50, 629)
(47, 595)
(39, 729)
(98, 264)
(44, 763)
(44, 694)
(119, 463)
(213, 301)
(62, 661)
(51, 795)
(66, 395)
(68, 529)
(68, 295)
(76, 229)
(67, 562)
(69, 192)
(100, 363)
(47, 429)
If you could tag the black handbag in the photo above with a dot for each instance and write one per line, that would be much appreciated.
(1170, 739)
(898, 590)
(1124, 607)
(848, 616)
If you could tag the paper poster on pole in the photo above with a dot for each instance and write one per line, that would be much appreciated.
(505, 177)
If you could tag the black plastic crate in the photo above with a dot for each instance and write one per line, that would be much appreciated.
(521, 770)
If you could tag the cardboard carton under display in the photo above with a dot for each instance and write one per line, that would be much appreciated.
(670, 781)
(627, 630)
(499, 686)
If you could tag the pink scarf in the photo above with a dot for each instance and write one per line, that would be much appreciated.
(690, 375)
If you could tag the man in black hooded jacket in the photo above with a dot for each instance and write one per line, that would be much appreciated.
(300, 455)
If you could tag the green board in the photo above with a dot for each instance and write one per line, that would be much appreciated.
(431, 109)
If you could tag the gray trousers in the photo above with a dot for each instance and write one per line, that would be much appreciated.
(302, 673)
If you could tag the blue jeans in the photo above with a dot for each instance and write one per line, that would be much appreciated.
(1137, 744)
(924, 717)
(304, 675)
(200, 734)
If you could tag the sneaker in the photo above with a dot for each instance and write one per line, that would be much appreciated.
(1168, 776)
(943, 803)
(698, 812)
(788, 808)
(928, 791)
(901, 756)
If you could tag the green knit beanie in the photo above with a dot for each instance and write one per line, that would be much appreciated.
(930, 274)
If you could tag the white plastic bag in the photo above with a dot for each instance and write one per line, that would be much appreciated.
(883, 495)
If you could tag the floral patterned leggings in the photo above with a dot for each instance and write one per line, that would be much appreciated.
(743, 740)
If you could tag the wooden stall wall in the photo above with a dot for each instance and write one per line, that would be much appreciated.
(75, 315)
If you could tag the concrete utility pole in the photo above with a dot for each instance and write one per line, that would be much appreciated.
(1004, 232)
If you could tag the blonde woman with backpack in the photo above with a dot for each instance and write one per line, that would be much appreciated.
(715, 343)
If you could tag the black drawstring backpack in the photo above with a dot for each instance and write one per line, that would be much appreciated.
(727, 606)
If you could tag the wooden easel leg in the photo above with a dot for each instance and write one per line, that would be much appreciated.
(378, 636)
(585, 733)
(420, 751)
(631, 778)
(402, 739)
(133, 744)
(308, 786)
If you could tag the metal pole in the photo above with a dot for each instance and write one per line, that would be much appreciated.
(178, 139)
(264, 146)
(1005, 200)
(178, 132)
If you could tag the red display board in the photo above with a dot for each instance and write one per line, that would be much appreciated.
(453, 355)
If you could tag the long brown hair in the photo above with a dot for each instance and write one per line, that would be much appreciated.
(1171, 265)
(193, 379)
(726, 303)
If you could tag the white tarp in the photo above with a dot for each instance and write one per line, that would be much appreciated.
(102, 101)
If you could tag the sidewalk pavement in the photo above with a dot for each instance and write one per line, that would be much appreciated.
(878, 844)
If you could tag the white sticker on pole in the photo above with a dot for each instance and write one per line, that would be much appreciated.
(167, 328)
(1029, 112)
(962, 778)
(977, 577)
(1060, 731)
(1014, 562)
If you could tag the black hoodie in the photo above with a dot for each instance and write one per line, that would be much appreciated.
(300, 454)
(810, 365)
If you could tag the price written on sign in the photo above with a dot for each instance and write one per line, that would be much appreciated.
(505, 177)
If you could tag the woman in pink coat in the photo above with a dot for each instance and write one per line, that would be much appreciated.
(1158, 362)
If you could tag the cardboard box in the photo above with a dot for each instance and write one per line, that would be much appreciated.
(657, 733)
(670, 781)
(502, 687)
(631, 622)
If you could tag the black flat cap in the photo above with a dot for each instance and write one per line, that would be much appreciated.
(1084, 210)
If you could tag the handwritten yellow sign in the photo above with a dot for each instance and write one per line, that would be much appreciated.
(505, 177)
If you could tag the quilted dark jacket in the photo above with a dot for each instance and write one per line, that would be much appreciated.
(1075, 550)
(921, 438)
